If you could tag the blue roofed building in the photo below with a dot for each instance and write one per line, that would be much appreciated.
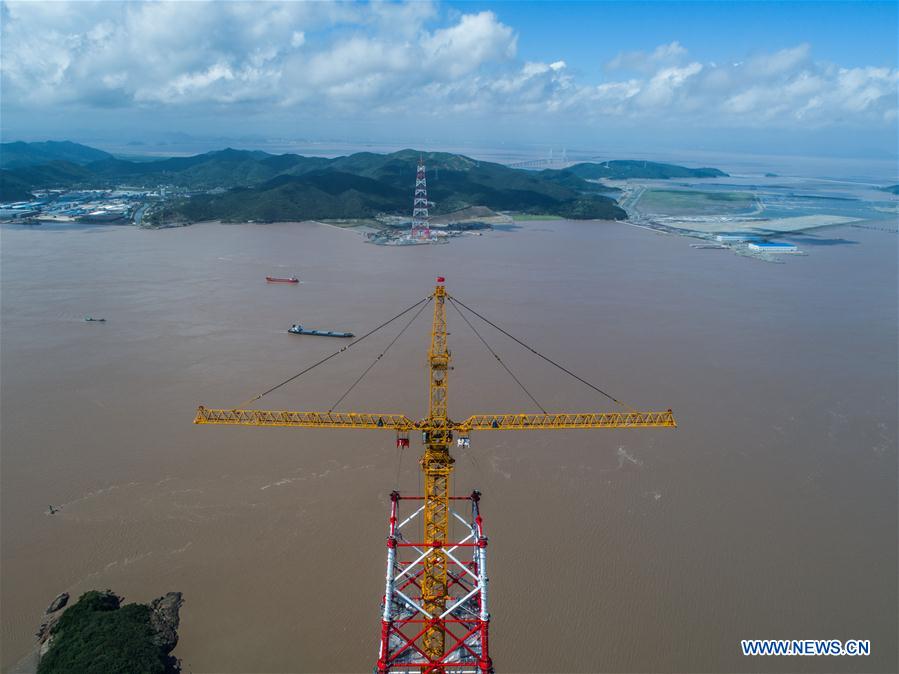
(773, 247)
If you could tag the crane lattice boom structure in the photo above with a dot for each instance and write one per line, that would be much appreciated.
(443, 626)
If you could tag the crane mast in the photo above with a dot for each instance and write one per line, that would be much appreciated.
(437, 466)
(449, 622)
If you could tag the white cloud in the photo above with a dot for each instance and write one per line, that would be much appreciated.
(778, 63)
(665, 84)
(382, 58)
(464, 47)
(789, 88)
(187, 53)
(641, 61)
(785, 88)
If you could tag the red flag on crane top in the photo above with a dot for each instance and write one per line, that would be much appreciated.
(440, 279)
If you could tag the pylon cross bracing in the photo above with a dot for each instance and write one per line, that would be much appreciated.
(408, 618)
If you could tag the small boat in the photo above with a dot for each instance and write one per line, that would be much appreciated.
(297, 329)
(91, 319)
(275, 279)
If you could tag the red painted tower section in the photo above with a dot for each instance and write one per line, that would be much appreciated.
(466, 621)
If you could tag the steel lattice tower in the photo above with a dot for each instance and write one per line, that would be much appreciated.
(439, 635)
(420, 227)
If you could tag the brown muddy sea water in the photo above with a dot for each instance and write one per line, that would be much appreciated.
(770, 513)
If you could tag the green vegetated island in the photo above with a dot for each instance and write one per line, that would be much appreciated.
(98, 634)
(241, 186)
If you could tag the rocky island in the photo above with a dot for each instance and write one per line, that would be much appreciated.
(98, 634)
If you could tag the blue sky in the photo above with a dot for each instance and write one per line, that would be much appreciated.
(761, 77)
(849, 33)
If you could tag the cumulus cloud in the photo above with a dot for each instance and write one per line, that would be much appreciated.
(663, 55)
(381, 57)
(780, 62)
(464, 47)
(185, 53)
(786, 87)
(667, 83)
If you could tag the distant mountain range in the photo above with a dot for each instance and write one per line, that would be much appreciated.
(241, 185)
(16, 155)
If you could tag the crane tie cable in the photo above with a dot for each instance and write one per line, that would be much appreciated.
(336, 353)
(537, 353)
(380, 355)
(498, 359)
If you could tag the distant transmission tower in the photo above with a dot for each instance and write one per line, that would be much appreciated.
(420, 227)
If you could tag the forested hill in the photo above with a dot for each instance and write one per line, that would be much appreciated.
(253, 185)
(246, 185)
(366, 184)
(19, 154)
(623, 169)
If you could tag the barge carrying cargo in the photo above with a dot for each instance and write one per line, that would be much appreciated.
(298, 329)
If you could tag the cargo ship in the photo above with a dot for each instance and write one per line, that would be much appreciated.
(297, 329)
(275, 279)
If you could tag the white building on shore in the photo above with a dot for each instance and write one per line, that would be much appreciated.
(773, 247)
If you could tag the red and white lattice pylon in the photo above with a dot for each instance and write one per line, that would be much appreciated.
(420, 227)
(465, 621)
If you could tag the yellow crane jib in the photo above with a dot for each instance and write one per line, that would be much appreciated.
(400, 422)
(517, 422)
(436, 579)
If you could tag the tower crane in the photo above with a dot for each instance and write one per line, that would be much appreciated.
(436, 573)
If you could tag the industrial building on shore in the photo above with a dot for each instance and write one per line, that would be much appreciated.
(772, 247)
